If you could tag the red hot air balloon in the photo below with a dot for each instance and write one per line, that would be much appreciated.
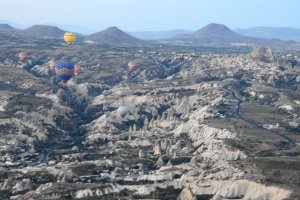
(52, 65)
(22, 56)
(76, 69)
(132, 66)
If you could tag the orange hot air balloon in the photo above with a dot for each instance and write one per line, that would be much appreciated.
(132, 66)
(69, 38)
(76, 70)
(52, 65)
(22, 56)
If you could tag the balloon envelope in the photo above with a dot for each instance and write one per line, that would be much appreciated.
(122, 110)
(64, 70)
(22, 56)
(52, 65)
(76, 69)
(132, 66)
(69, 38)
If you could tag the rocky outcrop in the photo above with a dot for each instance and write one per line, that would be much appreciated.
(242, 189)
(186, 194)
(263, 54)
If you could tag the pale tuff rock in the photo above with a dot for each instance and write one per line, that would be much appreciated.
(48, 115)
(159, 163)
(263, 54)
(286, 107)
(239, 189)
(116, 172)
(127, 100)
(40, 69)
(79, 194)
(184, 107)
(16, 185)
(167, 124)
(146, 122)
(186, 194)
(54, 98)
(224, 181)
(169, 163)
(157, 149)
(166, 173)
(97, 192)
(37, 132)
(38, 119)
(83, 89)
(178, 145)
(164, 144)
(84, 193)
(25, 85)
(43, 187)
(216, 150)
(171, 151)
(3, 103)
(141, 153)
(294, 124)
(201, 113)
(139, 142)
(102, 124)
(198, 131)
(144, 190)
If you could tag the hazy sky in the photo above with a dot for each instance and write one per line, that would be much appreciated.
(139, 15)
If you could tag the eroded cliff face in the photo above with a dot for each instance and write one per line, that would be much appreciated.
(175, 127)
(189, 132)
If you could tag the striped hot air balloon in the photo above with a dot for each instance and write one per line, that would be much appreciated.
(69, 38)
(64, 70)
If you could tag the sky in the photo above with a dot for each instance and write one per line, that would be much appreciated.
(152, 15)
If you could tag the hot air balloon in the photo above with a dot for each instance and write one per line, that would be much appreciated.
(64, 70)
(132, 66)
(76, 69)
(52, 65)
(22, 56)
(122, 110)
(69, 38)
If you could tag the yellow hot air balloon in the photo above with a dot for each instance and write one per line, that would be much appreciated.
(69, 38)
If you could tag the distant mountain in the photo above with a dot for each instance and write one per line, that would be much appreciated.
(158, 35)
(44, 31)
(6, 27)
(69, 27)
(210, 34)
(271, 33)
(7, 31)
(216, 30)
(220, 35)
(13, 24)
(115, 37)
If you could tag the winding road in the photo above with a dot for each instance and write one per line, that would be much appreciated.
(237, 113)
